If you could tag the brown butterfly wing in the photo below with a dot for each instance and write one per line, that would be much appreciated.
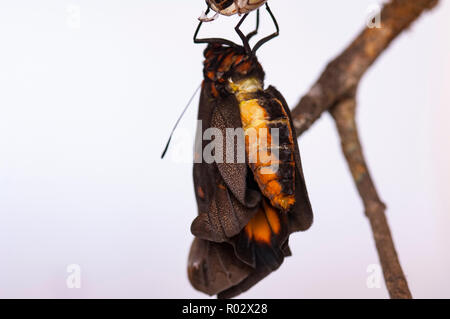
(225, 202)
(241, 238)
(301, 215)
(213, 267)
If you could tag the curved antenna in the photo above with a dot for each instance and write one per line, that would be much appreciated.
(178, 122)
(270, 37)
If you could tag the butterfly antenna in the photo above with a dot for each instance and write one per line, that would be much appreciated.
(178, 121)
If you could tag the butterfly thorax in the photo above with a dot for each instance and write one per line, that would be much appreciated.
(228, 67)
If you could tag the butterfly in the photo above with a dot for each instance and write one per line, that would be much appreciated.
(247, 206)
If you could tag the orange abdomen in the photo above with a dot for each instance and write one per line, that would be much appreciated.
(270, 148)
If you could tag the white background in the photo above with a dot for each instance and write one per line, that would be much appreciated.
(86, 109)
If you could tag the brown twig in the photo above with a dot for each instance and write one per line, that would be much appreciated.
(344, 116)
(335, 92)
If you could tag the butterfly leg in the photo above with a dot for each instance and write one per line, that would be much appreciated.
(254, 32)
(210, 40)
(242, 36)
(270, 37)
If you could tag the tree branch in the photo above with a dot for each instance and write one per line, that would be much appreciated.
(335, 91)
(344, 116)
(343, 74)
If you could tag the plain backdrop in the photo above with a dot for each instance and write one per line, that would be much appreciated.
(89, 91)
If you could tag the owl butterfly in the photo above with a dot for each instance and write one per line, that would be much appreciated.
(246, 209)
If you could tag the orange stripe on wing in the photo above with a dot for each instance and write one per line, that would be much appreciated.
(272, 218)
(265, 224)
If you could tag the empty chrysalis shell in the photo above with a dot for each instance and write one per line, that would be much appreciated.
(230, 7)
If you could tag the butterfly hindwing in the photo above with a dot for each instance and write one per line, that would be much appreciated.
(213, 267)
(301, 215)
